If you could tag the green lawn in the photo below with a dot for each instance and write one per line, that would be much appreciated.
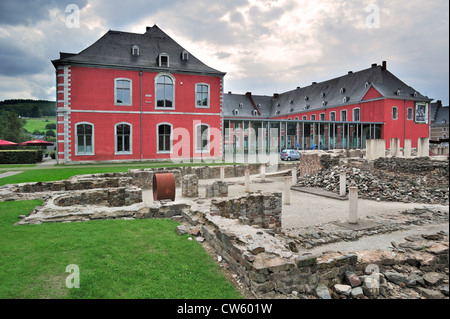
(65, 172)
(39, 123)
(116, 259)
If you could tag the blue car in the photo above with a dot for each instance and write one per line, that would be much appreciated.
(290, 155)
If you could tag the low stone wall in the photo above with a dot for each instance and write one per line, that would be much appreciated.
(189, 185)
(79, 183)
(110, 197)
(217, 189)
(257, 209)
(416, 165)
(309, 164)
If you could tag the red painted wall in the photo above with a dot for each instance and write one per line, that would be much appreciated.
(92, 89)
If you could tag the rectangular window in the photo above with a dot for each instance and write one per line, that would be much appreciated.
(122, 92)
(322, 116)
(394, 113)
(84, 139)
(356, 117)
(313, 117)
(202, 95)
(304, 117)
(344, 116)
(164, 92)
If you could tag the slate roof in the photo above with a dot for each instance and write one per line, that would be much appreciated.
(114, 50)
(329, 94)
(440, 115)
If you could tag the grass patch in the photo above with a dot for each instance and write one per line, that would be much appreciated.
(39, 123)
(65, 172)
(116, 258)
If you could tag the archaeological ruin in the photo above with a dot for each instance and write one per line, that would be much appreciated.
(305, 248)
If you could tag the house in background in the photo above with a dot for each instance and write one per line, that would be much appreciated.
(134, 97)
(339, 113)
(439, 128)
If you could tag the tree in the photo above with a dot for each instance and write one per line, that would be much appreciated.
(11, 127)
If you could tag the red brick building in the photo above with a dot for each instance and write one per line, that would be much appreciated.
(133, 97)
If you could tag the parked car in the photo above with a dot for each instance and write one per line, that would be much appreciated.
(290, 155)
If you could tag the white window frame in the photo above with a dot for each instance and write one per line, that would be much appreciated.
(313, 117)
(346, 117)
(209, 95)
(353, 114)
(396, 109)
(116, 152)
(76, 140)
(334, 112)
(115, 92)
(322, 115)
(156, 91)
(157, 138)
(304, 118)
(160, 62)
(207, 149)
(410, 109)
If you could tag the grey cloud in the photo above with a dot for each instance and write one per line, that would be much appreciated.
(28, 12)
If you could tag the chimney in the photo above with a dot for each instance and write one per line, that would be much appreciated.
(384, 65)
(314, 83)
(275, 95)
(374, 65)
(147, 28)
(350, 72)
(229, 92)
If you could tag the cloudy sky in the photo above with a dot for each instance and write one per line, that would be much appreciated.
(265, 46)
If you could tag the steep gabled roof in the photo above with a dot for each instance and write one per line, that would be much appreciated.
(243, 104)
(114, 50)
(340, 91)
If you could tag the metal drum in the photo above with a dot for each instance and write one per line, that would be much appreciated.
(163, 186)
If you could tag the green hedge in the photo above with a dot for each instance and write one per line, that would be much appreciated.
(20, 156)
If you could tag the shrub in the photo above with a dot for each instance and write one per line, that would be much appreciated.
(51, 126)
(53, 154)
(20, 156)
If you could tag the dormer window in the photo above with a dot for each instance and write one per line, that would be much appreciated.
(255, 113)
(292, 102)
(366, 85)
(184, 55)
(322, 94)
(278, 112)
(399, 92)
(135, 50)
(259, 106)
(241, 105)
(345, 99)
(416, 94)
(324, 103)
(235, 112)
(306, 98)
(306, 106)
(291, 110)
(164, 60)
(342, 90)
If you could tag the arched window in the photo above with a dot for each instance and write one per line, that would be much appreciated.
(165, 91)
(356, 115)
(332, 116)
(164, 132)
(202, 138)
(84, 139)
(123, 134)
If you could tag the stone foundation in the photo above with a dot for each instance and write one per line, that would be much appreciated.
(189, 185)
(217, 189)
(110, 197)
(257, 209)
